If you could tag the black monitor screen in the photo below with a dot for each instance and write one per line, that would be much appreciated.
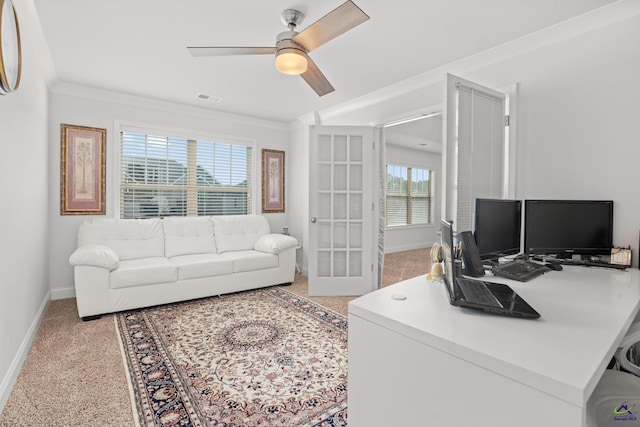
(567, 227)
(497, 227)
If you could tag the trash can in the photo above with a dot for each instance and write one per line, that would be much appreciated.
(616, 401)
(628, 354)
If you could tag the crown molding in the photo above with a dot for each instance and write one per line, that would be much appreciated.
(590, 21)
(73, 89)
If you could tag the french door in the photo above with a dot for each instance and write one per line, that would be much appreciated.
(341, 210)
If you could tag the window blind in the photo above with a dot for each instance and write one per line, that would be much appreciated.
(480, 150)
(167, 176)
(408, 195)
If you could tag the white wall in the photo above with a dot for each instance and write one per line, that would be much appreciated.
(88, 107)
(299, 189)
(577, 121)
(576, 118)
(24, 166)
(402, 238)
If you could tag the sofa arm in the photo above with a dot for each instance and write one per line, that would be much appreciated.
(274, 243)
(96, 256)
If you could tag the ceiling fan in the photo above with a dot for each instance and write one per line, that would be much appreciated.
(292, 48)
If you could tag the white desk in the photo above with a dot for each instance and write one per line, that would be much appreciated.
(422, 362)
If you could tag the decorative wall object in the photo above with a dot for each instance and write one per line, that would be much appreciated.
(272, 181)
(82, 170)
(10, 48)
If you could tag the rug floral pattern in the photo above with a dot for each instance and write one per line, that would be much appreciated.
(260, 358)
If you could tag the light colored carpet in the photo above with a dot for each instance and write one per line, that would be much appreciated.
(74, 375)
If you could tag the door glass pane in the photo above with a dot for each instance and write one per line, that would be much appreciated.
(324, 234)
(340, 177)
(355, 149)
(324, 263)
(355, 206)
(340, 264)
(339, 235)
(355, 264)
(324, 148)
(355, 235)
(355, 178)
(340, 206)
(324, 206)
(340, 148)
(324, 177)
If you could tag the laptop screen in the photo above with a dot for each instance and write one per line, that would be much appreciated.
(448, 275)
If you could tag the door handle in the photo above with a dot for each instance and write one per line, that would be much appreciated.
(314, 219)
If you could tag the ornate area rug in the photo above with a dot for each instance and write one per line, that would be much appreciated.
(258, 358)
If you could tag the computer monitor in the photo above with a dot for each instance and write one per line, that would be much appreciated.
(497, 227)
(568, 227)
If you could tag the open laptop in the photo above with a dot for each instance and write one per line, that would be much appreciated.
(490, 297)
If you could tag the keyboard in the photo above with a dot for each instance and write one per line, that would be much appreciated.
(475, 291)
(519, 269)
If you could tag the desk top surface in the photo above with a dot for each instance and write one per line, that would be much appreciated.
(585, 313)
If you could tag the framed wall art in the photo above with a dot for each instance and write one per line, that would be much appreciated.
(82, 170)
(272, 181)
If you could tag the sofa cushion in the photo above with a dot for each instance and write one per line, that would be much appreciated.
(188, 235)
(128, 238)
(96, 256)
(275, 243)
(144, 271)
(238, 232)
(202, 265)
(251, 260)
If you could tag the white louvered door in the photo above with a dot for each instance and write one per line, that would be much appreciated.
(474, 154)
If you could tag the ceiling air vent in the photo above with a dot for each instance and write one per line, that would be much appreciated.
(210, 98)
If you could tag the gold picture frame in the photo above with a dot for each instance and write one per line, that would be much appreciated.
(82, 170)
(272, 181)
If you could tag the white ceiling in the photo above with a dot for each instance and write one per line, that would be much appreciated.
(139, 46)
(424, 134)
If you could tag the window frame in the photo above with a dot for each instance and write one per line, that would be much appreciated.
(430, 197)
(145, 128)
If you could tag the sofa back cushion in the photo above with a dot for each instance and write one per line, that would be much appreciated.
(128, 238)
(188, 235)
(238, 232)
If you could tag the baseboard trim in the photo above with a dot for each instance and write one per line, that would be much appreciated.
(14, 369)
(63, 293)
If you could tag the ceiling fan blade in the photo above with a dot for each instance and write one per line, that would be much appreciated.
(314, 78)
(221, 51)
(338, 21)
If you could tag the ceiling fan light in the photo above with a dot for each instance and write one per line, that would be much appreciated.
(291, 61)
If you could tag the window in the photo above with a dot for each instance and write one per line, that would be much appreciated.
(166, 176)
(408, 195)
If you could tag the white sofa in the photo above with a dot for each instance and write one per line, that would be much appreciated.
(121, 264)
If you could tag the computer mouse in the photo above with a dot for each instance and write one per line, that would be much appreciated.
(554, 266)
